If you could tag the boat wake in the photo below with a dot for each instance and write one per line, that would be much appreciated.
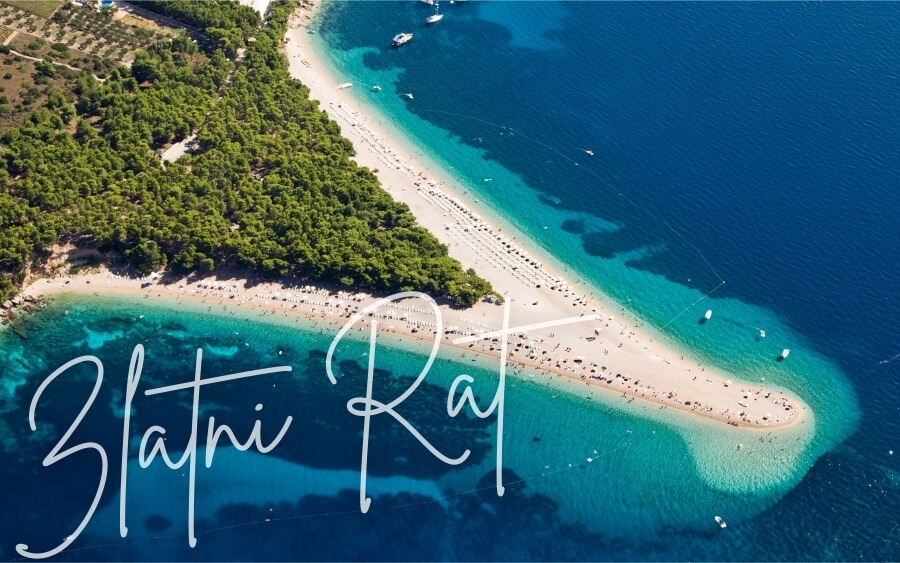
(889, 360)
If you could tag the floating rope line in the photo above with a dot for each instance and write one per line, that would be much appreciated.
(889, 360)
(609, 187)
(182, 536)
(691, 306)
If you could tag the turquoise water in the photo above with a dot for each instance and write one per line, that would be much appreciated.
(750, 143)
(573, 457)
(560, 202)
(747, 143)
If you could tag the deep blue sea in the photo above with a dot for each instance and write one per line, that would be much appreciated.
(755, 143)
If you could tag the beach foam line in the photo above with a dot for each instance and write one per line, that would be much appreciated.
(601, 352)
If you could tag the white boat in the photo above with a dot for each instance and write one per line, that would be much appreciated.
(762, 333)
(344, 85)
(708, 315)
(784, 354)
(376, 88)
(720, 522)
(437, 15)
(408, 95)
(429, 2)
(401, 39)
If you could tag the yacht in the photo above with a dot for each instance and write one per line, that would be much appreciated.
(437, 16)
(401, 39)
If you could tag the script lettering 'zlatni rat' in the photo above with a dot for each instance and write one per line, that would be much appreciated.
(459, 396)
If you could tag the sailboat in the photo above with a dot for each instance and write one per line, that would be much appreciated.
(437, 16)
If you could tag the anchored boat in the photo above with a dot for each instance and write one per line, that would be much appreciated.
(720, 522)
(437, 16)
(401, 39)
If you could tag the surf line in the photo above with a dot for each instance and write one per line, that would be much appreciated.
(366, 407)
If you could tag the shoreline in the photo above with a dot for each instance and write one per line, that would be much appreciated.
(436, 202)
(532, 356)
(606, 352)
(307, 66)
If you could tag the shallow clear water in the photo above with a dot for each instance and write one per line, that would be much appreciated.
(750, 143)
(573, 460)
(753, 143)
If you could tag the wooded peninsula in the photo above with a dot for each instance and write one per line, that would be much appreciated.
(269, 185)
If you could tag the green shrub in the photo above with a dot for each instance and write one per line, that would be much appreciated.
(36, 45)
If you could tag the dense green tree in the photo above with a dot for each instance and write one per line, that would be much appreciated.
(146, 256)
(271, 188)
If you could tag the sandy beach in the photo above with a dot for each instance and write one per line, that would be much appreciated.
(603, 354)
(602, 351)
(498, 253)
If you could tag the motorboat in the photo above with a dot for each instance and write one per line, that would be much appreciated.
(376, 88)
(345, 85)
(401, 39)
(721, 522)
(708, 315)
(784, 354)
